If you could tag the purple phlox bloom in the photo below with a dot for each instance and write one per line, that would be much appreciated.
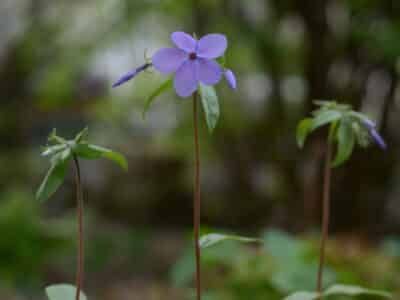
(230, 78)
(374, 133)
(130, 75)
(192, 61)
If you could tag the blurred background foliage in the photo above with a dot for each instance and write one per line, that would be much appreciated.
(57, 62)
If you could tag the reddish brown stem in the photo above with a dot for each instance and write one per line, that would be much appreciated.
(79, 199)
(196, 196)
(325, 214)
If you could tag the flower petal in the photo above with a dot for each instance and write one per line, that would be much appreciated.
(230, 78)
(374, 133)
(212, 45)
(184, 41)
(208, 71)
(185, 81)
(377, 138)
(168, 60)
(130, 75)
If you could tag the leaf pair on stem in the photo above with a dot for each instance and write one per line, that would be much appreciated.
(61, 152)
(347, 128)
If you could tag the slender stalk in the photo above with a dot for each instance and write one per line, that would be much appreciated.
(325, 214)
(79, 199)
(196, 196)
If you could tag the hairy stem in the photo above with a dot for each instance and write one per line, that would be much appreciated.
(196, 196)
(325, 214)
(79, 199)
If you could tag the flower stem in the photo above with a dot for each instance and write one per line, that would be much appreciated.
(325, 214)
(196, 196)
(79, 199)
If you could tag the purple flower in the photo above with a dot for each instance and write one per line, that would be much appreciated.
(230, 78)
(374, 134)
(130, 75)
(192, 61)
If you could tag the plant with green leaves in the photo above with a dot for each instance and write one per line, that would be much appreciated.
(347, 128)
(61, 152)
(195, 71)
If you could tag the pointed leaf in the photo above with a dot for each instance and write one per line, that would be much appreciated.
(50, 150)
(82, 136)
(90, 151)
(63, 292)
(54, 138)
(353, 290)
(324, 117)
(303, 296)
(157, 92)
(303, 129)
(214, 238)
(346, 141)
(55, 176)
(209, 99)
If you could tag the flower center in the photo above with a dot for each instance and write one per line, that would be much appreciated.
(192, 56)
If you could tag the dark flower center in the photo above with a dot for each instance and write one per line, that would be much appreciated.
(192, 56)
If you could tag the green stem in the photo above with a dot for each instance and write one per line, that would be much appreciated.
(196, 196)
(325, 214)
(79, 199)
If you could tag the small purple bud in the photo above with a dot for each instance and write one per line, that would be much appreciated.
(230, 78)
(377, 138)
(369, 123)
(130, 75)
(374, 134)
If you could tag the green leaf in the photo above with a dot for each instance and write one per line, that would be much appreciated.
(209, 99)
(63, 292)
(214, 238)
(90, 151)
(50, 150)
(303, 129)
(332, 130)
(54, 138)
(303, 296)
(157, 92)
(82, 136)
(55, 175)
(324, 117)
(346, 141)
(352, 290)
(327, 103)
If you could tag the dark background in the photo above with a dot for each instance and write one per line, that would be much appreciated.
(58, 60)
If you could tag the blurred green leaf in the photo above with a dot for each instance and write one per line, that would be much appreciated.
(325, 103)
(353, 290)
(81, 136)
(324, 117)
(346, 141)
(90, 151)
(303, 129)
(182, 271)
(298, 274)
(281, 245)
(157, 92)
(209, 99)
(215, 238)
(55, 175)
(63, 292)
(303, 296)
(339, 289)
(51, 150)
(54, 138)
